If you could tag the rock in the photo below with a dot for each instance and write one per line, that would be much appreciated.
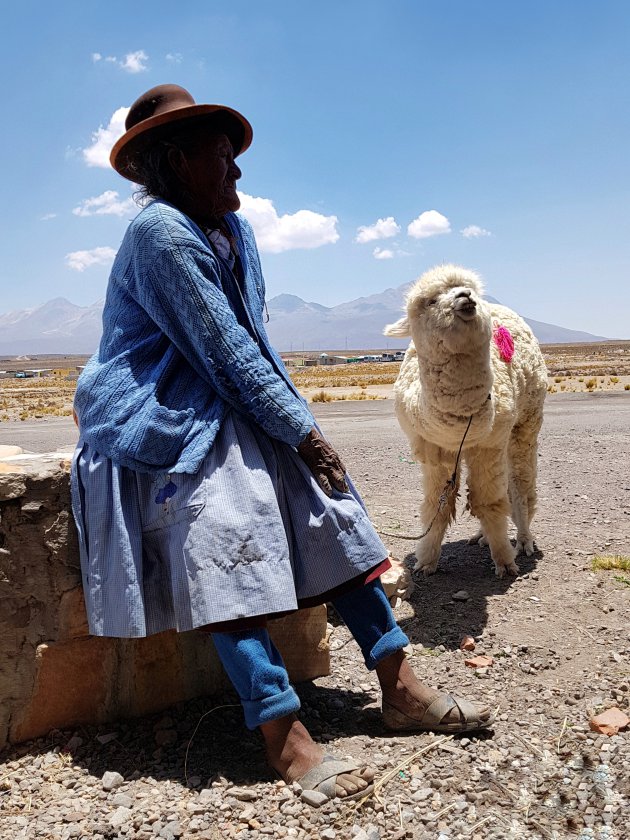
(111, 780)
(467, 643)
(479, 662)
(248, 813)
(328, 834)
(122, 800)
(314, 798)
(397, 581)
(120, 817)
(243, 794)
(7, 451)
(609, 722)
(461, 595)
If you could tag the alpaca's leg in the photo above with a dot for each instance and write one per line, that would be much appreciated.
(488, 501)
(434, 479)
(478, 538)
(523, 464)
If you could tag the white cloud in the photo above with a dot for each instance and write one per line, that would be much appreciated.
(383, 254)
(134, 62)
(472, 231)
(106, 204)
(104, 138)
(80, 260)
(430, 223)
(174, 58)
(47, 217)
(382, 229)
(274, 233)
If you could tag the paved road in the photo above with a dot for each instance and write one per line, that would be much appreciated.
(344, 419)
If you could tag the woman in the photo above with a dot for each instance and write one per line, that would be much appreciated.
(203, 492)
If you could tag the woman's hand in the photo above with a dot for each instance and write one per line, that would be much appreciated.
(323, 462)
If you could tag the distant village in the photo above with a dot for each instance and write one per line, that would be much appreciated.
(291, 361)
(329, 359)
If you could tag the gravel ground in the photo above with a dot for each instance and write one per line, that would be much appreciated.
(559, 636)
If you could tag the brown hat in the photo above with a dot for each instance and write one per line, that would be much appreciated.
(154, 115)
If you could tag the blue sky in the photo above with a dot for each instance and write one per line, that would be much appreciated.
(388, 136)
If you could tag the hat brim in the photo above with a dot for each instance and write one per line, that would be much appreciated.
(148, 131)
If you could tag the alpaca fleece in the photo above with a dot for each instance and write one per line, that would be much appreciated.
(454, 370)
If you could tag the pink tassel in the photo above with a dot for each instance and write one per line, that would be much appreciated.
(504, 341)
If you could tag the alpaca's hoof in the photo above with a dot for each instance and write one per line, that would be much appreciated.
(427, 558)
(426, 567)
(478, 539)
(510, 568)
(525, 545)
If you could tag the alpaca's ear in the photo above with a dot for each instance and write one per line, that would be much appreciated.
(399, 330)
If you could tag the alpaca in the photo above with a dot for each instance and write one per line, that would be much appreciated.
(477, 364)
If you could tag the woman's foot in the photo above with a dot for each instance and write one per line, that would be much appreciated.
(292, 753)
(404, 693)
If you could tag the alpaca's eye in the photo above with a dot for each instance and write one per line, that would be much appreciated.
(432, 302)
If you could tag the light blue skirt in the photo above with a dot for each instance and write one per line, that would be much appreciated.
(250, 534)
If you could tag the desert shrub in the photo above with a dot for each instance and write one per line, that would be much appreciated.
(558, 379)
(626, 387)
(590, 383)
(552, 390)
(614, 380)
(321, 396)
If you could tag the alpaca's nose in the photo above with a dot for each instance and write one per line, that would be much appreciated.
(464, 305)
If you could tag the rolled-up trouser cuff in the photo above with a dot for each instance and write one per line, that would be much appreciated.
(392, 641)
(271, 708)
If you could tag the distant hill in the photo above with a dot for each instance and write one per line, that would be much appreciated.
(55, 327)
(295, 324)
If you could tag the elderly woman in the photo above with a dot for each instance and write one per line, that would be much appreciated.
(204, 494)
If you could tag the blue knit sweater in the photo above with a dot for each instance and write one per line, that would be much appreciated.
(173, 358)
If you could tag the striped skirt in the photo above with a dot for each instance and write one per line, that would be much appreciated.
(250, 534)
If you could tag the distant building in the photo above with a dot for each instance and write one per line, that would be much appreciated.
(325, 359)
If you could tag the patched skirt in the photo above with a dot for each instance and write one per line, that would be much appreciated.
(250, 534)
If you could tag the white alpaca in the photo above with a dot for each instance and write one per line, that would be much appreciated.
(453, 370)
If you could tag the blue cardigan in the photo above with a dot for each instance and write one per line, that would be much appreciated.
(173, 358)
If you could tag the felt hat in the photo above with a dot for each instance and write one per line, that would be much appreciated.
(168, 108)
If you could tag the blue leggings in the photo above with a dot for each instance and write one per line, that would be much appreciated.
(257, 671)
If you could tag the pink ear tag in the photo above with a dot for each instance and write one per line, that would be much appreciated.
(504, 341)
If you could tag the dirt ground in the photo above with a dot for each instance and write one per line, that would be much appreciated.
(559, 634)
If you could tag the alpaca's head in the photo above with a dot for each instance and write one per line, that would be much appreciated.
(445, 306)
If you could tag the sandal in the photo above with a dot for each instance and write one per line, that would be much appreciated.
(322, 779)
(470, 717)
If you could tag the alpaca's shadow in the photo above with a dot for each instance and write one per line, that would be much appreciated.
(440, 620)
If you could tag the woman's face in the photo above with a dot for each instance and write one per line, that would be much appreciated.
(208, 170)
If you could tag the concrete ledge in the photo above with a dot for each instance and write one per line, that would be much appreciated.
(53, 674)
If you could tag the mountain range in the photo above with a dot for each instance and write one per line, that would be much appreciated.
(294, 324)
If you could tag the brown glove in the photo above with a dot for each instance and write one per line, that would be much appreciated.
(323, 462)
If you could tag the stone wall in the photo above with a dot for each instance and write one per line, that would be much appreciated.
(53, 674)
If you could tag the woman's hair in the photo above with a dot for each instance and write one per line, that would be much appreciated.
(153, 172)
(152, 169)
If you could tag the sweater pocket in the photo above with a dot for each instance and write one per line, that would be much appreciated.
(157, 435)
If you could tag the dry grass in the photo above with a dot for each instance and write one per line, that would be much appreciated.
(346, 376)
(24, 399)
(607, 562)
(572, 367)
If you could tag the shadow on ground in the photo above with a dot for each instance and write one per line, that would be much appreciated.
(438, 619)
(206, 739)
